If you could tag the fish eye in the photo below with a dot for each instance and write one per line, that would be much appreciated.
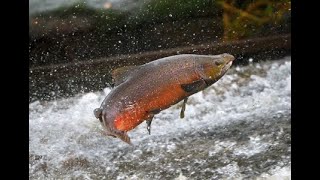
(218, 62)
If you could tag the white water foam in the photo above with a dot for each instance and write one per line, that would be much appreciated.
(65, 134)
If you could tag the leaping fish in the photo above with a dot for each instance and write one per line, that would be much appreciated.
(143, 91)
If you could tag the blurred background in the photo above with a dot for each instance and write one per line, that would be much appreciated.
(238, 128)
(74, 44)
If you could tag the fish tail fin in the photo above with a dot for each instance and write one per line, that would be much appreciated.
(124, 137)
(119, 134)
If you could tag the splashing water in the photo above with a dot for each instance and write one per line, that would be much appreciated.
(238, 128)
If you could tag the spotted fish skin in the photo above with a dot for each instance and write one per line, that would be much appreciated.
(146, 90)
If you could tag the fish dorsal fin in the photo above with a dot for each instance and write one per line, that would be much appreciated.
(121, 74)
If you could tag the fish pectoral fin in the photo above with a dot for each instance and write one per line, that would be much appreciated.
(154, 112)
(183, 107)
(194, 87)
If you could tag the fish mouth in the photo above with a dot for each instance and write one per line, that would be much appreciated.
(227, 66)
(229, 58)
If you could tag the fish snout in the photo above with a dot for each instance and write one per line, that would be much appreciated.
(228, 57)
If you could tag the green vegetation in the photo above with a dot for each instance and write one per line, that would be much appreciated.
(241, 18)
(249, 18)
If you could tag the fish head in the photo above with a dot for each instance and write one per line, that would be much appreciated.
(108, 126)
(212, 68)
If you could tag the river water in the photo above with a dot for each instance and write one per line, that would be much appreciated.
(38, 6)
(239, 128)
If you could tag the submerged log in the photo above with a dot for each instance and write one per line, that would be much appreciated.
(63, 80)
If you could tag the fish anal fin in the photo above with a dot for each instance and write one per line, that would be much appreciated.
(149, 121)
(150, 117)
